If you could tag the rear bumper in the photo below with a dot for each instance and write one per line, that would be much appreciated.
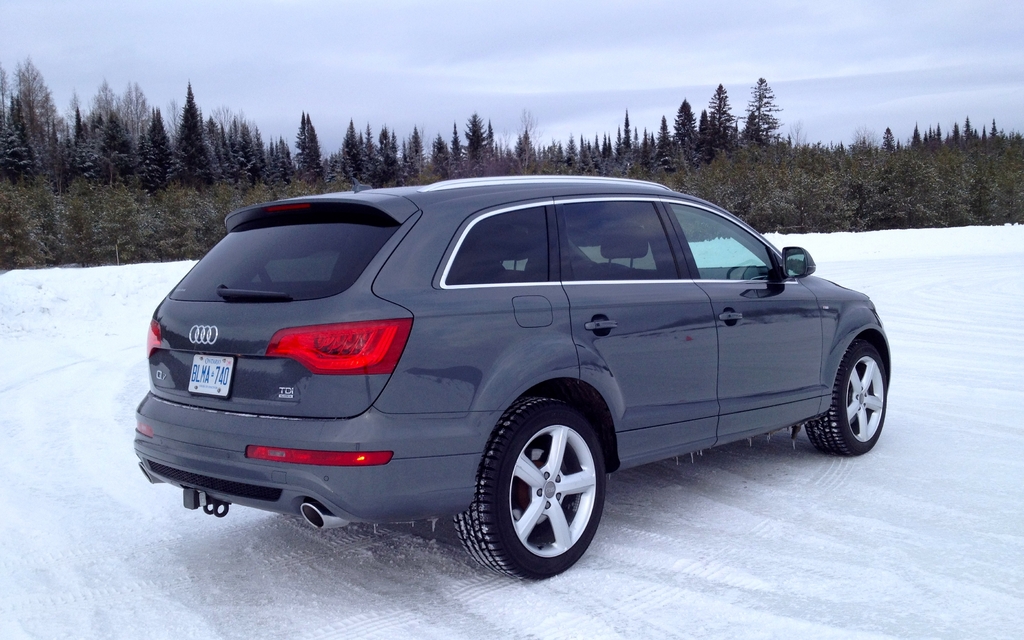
(433, 472)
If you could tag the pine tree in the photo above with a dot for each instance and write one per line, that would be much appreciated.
(915, 140)
(191, 156)
(387, 159)
(412, 155)
(571, 154)
(116, 149)
(308, 157)
(721, 123)
(762, 126)
(889, 141)
(627, 144)
(155, 154)
(705, 140)
(440, 157)
(352, 154)
(16, 157)
(456, 153)
(686, 133)
(476, 139)
(665, 150)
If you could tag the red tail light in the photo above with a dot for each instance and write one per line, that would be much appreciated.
(350, 348)
(321, 458)
(153, 340)
(144, 429)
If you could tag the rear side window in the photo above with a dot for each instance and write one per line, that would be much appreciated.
(615, 241)
(504, 248)
(286, 262)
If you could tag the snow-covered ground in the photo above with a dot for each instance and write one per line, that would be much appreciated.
(923, 537)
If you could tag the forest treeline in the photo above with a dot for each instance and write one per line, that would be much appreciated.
(115, 181)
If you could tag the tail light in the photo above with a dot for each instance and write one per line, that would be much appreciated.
(350, 348)
(154, 339)
(321, 458)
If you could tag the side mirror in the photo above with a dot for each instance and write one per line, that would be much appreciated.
(798, 262)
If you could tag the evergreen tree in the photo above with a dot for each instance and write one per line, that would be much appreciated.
(16, 157)
(412, 155)
(352, 154)
(705, 139)
(915, 140)
(116, 148)
(686, 133)
(476, 140)
(191, 156)
(456, 153)
(369, 155)
(664, 148)
(762, 126)
(627, 144)
(440, 157)
(308, 157)
(387, 159)
(889, 141)
(155, 154)
(721, 123)
(571, 154)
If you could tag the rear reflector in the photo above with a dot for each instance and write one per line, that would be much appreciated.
(144, 429)
(153, 339)
(321, 458)
(350, 348)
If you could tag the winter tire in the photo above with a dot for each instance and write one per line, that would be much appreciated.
(854, 420)
(539, 493)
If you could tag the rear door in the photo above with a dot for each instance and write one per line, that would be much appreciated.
(644, 334)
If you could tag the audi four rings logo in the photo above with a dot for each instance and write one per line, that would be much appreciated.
(202, 334)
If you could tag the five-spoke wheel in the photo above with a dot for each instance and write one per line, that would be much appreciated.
(540, 491)
(855, 418)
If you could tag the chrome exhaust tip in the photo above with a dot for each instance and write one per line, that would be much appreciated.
(320, 517)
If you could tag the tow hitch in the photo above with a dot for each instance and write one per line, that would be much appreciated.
(193, 499)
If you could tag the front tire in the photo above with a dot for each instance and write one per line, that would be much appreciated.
(859, 397)
(540, 491)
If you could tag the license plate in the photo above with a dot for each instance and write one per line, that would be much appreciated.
(211, 375)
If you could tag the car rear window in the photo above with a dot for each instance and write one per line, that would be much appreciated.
(286, 261)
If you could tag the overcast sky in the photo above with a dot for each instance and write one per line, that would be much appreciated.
(836, 68)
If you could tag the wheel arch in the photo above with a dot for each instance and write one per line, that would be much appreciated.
(878, 341)
(588, 401)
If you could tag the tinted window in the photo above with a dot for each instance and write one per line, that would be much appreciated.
(508, 247)
(302, 261)
(615, 241)
(722, 249)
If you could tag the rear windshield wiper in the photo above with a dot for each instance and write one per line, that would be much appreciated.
(242, 295)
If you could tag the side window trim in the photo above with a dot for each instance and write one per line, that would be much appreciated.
(472, 221)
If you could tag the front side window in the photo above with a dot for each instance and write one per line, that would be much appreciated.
(615, 241)
(722, 250)
(505, 248)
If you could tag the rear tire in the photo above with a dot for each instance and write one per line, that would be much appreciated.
(859, 398)
(539, 492)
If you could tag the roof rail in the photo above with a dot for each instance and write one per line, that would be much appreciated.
(466, 183)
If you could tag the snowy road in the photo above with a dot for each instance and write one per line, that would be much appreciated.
(923, 537)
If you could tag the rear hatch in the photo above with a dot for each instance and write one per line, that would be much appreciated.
(278, 319)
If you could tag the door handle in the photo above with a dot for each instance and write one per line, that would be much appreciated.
(598, 325)
(730, 316)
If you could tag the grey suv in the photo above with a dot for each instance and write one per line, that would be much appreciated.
(490, 349)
